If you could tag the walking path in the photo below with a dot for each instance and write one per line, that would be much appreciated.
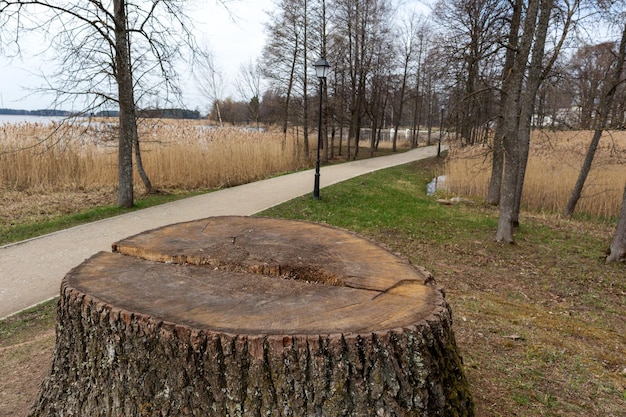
(31, 271)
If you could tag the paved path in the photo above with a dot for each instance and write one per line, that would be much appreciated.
(31, 271)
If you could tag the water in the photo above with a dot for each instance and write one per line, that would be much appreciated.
(436, 184)
(25, 118)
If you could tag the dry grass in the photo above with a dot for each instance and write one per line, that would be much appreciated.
(541, 324)
(176, 154)
(553, 166)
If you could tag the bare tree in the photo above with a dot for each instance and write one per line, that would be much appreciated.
(601, 120)
(497, 162)
(359, 26)
(409, 36)
(530, 67)
(618, 245)
(423, 42)
(589, 72)
(108, 52)
(283, 48)
(473, 32)
(249, 87)
(210, 80)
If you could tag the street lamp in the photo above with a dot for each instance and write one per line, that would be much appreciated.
(440, 132)
(321, 70)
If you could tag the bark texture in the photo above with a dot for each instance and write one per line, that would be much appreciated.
(618, 245)
(200, 332)
(123, 76)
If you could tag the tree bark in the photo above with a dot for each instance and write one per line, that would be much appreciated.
(529, 98)
(618, 245)
(497, 163)
(604, 109)
(497, 168)
(522, 97)
(139, 161)
(127, 120)
(239, 316)
(513, 146)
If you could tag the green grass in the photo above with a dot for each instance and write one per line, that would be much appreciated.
(388, 199)
(22, 326)
(541, 324)
(16, 233)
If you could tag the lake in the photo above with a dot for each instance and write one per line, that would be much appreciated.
(25, 118)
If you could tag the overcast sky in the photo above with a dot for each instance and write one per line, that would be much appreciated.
(234, 38)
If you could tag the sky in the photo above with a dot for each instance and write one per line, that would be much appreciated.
(235, 36)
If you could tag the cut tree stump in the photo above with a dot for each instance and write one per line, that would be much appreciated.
(240, 316)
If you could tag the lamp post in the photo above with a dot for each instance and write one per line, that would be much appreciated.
(321, 70)
(440, 132)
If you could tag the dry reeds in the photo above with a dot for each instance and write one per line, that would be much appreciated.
(176, 154)
(553, 166)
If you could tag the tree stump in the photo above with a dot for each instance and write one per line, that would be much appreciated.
(239, 316)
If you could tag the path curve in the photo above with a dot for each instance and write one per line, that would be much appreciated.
(31, 271)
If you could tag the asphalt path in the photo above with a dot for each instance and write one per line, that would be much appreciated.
(31, 270)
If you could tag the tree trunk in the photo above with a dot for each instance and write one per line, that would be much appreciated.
(238, 316)
(305, 81)
(124, 79)
(513, 147)
(605, 105)
(507, 196)
(618, 245)
(292, 72)
(522, 95)
(497, 163)
(497, 167)
(528, 100)
(139, 162)
(416, 102)
(396, 124)
(328, 148)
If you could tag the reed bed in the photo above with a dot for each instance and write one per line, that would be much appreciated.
(176, 155)
(553, 166)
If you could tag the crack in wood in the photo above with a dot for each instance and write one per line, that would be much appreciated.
(396, 285)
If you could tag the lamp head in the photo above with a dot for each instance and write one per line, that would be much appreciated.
(321, 67)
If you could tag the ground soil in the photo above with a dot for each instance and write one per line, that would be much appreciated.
(26, 347)
(20, 207)
(541, 332)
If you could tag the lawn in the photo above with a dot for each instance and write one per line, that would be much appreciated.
(541, 324)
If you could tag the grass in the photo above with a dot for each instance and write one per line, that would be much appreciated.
(553, 166)
(52, 176)
(16, 232)
(541, 324)
(19, 328)
(176, 154)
